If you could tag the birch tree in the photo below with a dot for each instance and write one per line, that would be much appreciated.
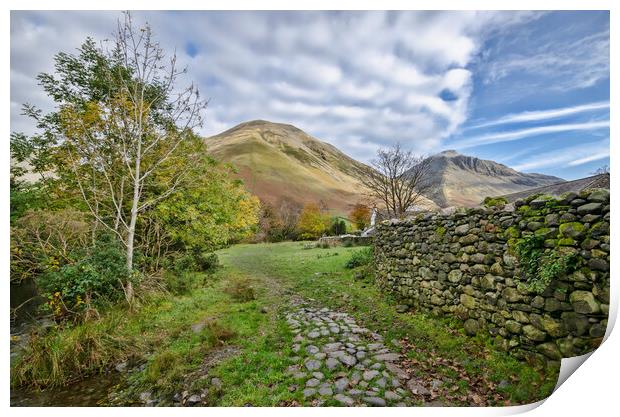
(121, 120)
(115, 146)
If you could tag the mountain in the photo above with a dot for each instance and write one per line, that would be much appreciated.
(461, 180)
(556, 190)
(281, 161)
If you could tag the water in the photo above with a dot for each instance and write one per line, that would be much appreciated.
(25, 298)
(88, 393)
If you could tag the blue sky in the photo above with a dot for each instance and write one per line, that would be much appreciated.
(528, 89)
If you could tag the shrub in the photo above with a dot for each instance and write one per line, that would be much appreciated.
(185, 262)
(338, 227)
(44, 240)
(207, 261)
(360, 258)
(542, 267)
(179, 283)
(99, 276)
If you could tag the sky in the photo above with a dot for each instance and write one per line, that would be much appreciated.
(526, 89)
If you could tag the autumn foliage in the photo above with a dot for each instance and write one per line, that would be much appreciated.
(360, 216)
(313, 222)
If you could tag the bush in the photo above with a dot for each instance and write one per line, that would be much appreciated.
(196, 262)
(338, 227)
(207, 261)
(185, 262)
(44, 241)
(99, 276)
(179, 283)
(360, 258)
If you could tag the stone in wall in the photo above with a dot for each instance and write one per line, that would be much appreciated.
(466, 264)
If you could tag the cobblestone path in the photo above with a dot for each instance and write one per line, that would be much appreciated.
(339, 360)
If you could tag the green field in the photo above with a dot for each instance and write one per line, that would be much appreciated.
(230, 326)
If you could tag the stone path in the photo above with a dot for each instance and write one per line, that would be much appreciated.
(341, 361)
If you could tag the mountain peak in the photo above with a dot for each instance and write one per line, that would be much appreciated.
(449, 153)
(463, 180)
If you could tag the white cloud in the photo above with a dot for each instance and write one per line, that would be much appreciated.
(358, 80)
(594, 157)
(523, 133)
(531, 116)
(570, 156)
(572, 64)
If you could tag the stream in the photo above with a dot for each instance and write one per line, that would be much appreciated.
(88, 393)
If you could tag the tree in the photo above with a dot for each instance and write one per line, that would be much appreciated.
(601, 170)
(360, 216)
(397, 179)
(210, 209)
(121, 119)
(312, 222)
(280, 222)
(338, 227)
(288, 213)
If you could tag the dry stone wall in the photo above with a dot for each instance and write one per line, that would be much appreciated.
(533, 274)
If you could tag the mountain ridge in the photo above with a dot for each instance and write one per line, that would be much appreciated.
(463, 180)
(280, 161)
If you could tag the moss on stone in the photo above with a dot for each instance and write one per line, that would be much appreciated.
(495, 201)
(532, 197)
(571, 229)
(545, 232)
(440, 231)
(524, 208)
(511, 232)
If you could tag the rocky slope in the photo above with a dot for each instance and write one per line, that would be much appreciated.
(461, 180)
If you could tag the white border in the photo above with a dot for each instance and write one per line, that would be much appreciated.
(591, 390)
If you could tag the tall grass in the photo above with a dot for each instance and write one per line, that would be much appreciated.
(67, 354)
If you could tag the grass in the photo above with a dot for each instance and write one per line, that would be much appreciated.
(334, 287)
(159, 332)
(241, 305)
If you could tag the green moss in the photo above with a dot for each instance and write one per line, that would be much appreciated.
(440, 231)
(538, 196)
(495, 202)
(545, 232)
(511, 232)
(528, 211)
(566, 241)
(512, 243)
(571, 229)
(551, 243)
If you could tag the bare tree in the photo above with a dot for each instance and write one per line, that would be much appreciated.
(133, 134)
(601, 170)
(398, 179)
(288, 213)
